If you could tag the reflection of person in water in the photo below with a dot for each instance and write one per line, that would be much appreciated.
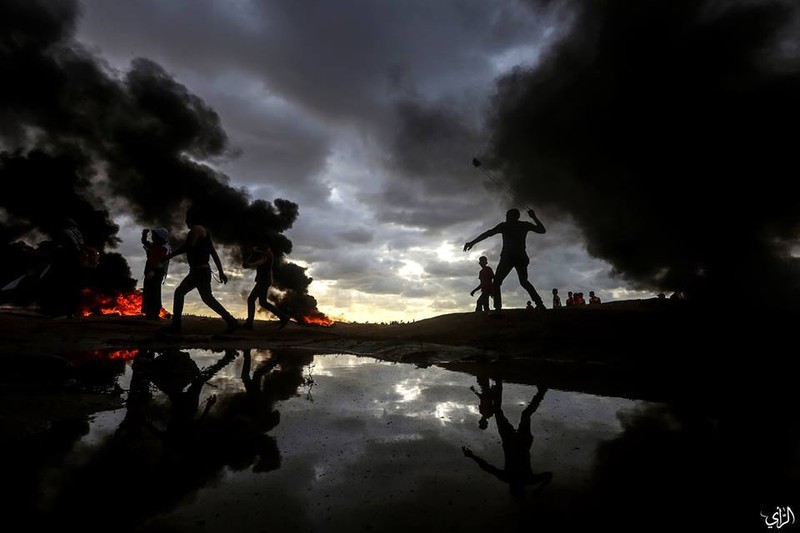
(268, 377)
(259, 411)
(136, 426)
(486, 397)
(517, 443)
(185, 398)
(160, 453)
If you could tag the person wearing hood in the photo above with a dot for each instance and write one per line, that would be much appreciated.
(155, 270)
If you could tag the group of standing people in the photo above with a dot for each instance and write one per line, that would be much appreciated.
(574, 298)
(577, 298)
(200, 251)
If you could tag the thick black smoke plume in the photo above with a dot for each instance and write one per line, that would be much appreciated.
(664, 129)
(74, 133)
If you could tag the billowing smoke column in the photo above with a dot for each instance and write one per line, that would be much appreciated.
(72, 133)
(663, 128)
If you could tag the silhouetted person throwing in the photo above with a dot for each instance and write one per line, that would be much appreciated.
(517, 444)
(513, 254)
(198, 249)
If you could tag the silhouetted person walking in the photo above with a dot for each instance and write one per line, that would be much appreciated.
(485, 282)
(262, 259)
(517, 444)
(513, 254)
(198, 249)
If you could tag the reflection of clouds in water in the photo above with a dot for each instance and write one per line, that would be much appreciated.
(372, 423)
(586, 412)
(409, 389)
(400, 437)
(448, 412)
(331, 364)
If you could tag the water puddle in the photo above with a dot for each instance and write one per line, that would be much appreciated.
(295, 441)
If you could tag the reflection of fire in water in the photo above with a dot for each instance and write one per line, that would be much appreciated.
(315, 318)
(125, 355)
(88, 356)
(117, 303)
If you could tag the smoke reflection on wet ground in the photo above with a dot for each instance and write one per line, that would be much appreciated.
(297, 441)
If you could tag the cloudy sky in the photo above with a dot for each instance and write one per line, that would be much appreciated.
(648, 136)
(367, 115)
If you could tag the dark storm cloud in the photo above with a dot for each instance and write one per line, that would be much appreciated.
(413, 205)
(660, 127)
(431, 148)
(337, 58)
(356, 236)
(432, 143)
(445, 269)
(362, 270)
(411, 77)
(276, 147)
(368, 113)
(71, 125)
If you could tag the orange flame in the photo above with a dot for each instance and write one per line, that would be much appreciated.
(117, 303)
(315, 318)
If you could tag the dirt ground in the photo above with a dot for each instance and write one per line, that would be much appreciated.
(596, 349)
(563, 334)
(621, 348)
(656, 350)
(653, 349)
